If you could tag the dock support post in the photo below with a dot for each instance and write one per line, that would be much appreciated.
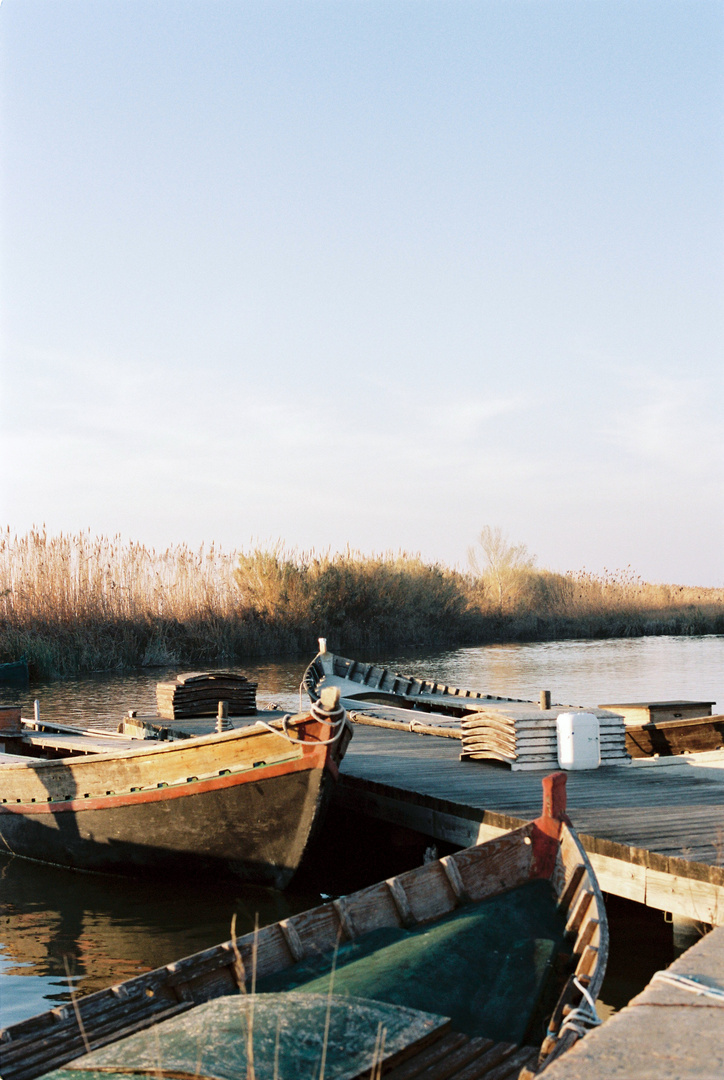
(545, 699)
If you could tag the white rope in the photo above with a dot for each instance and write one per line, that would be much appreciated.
(418, 725)
(685, 983)
(335, 720)
(584, 1017)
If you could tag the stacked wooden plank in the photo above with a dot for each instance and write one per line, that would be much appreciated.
(526, 739)
(199, 693)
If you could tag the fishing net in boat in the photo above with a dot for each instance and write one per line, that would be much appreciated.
(289, 1032)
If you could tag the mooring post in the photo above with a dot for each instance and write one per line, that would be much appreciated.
(222, 718)
(545, 699)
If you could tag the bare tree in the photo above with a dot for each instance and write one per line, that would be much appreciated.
(502, 565)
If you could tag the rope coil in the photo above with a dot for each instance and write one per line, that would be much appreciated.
(335, 720)
(584, 1017)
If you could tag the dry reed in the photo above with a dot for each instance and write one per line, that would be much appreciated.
(78, 603)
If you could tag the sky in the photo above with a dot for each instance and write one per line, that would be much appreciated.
(367, 273)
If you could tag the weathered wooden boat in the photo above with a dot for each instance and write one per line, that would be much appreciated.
(14, 673)
(667, 738)
(519, 734)
(246, 800)
(485, 963)
(375, 684)
(668, 728)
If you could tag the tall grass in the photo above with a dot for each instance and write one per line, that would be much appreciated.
(615, 603)
(78, 603)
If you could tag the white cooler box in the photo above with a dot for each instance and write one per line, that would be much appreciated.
(579, 740)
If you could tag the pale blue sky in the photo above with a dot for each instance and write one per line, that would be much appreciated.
(368, 273)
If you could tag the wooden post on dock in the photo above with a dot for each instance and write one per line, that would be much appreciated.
(545, 699)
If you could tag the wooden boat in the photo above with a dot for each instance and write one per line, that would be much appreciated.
(375, 684)
(519, 734)
(246, 800)
(666, 738)
(668, 728)
(483, 963)
(14, 674)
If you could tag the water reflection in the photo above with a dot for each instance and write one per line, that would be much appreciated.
(100, 930)
(101, 701)
(576, 673)
(584, 672)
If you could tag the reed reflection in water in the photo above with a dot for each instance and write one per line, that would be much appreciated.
(101, 701)
(101, 930)
(584, 672)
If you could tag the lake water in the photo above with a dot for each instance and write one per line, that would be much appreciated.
(60, 929)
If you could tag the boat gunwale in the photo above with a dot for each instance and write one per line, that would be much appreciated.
(169, 790)
(259, 728)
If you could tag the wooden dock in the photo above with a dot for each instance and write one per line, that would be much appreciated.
(673, 1030)
(654, 829)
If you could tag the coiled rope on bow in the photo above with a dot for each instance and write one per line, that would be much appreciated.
(584, 1017)
(335, 719)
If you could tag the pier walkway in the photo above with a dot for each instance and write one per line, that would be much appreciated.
(654, 829)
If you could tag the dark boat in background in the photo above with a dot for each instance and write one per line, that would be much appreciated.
(669, 728)
(15, 674)
(483, 963)
(246, 800)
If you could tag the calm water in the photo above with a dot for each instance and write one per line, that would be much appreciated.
(59, 928)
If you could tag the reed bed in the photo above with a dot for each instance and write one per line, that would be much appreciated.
(77, 603)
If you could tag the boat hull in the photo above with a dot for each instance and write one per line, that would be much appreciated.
(668, 738)
(251, 818)
(372, 683)
(223, 828)
(14, 674)
(419, 912)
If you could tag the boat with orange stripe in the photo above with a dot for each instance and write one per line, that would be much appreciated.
(246, 800)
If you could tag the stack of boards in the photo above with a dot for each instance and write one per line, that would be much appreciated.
(199, 694)
(530, 741)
